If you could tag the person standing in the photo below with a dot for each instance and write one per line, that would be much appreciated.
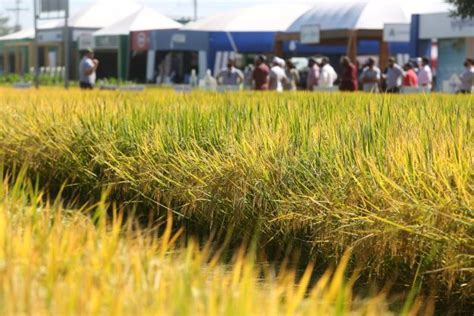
(313, 74)
(261, 74)
(410, 79)
(248, 77)
(328, 74)
(277, 75)
(370, 77)
(349, 75)
(425, 76)
(230, 76)
(87, 70)
(293, 77)
(467, 77)
(394, 76)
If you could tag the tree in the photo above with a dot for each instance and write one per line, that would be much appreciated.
(4, 28)
(463, 8)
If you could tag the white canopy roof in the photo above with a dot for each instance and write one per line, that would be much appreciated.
(143, 20)
(272, 18)
(20, 35)
(351, 15)
(28, 33)
(362, 15)
(103, 13)
(100, 14)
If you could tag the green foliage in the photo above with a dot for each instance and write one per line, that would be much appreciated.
(44, 80)
(4, 27)
(463, 8)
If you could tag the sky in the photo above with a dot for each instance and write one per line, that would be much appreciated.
(172, 8)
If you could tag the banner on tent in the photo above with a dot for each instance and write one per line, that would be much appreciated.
(141, 41)
(85, 41)
(310, 34)
(80, 32)
(396, 32)
(179, 40)
(106, 42)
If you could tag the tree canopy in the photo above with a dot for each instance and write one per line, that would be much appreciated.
(4, 27)
(463, 8)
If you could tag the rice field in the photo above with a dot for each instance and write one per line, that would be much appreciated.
(60, 261)
(388, 178)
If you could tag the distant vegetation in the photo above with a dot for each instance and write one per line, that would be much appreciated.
(463, 8)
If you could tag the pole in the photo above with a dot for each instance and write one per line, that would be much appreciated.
(35, 46)
(195, 10)
(17, 10)
(66, 45)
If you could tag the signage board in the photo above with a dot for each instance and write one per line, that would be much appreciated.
(141, 41)
(442, 25)
(50, 36)
(179, 40)
(76, 33)
(310, 34)
(396, 32)
(46, 6)
(85, 41)
(106, 42)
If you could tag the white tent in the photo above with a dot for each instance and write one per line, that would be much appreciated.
(145, 19)
(28, 33)
(100, 14)
(368, 15)
(20, 35)
(271, 18)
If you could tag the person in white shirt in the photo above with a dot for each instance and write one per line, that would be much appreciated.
(278, 77)
(467, 77)
(425, 76)
(371, 76)
(87, 70)
(328, 75)
(394, 76)
(230, 76)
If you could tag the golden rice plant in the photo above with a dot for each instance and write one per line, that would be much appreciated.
(60, 261)
(390, 177)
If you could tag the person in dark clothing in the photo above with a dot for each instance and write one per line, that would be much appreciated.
(349, 75)
(261, 74)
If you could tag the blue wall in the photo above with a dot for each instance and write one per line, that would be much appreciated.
(246, 42)
(417, 47)
(264, 42)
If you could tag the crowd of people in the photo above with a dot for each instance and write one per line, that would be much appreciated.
(280, 75)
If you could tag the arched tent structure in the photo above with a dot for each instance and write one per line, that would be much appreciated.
(347, 23)
(350, 23)
(253, 19)
(114, 40)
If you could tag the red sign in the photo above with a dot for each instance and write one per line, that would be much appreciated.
(141, 41)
